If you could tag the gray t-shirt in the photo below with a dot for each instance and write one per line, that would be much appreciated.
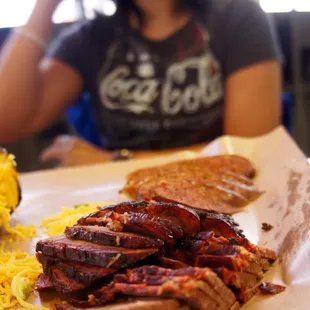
(169, 93)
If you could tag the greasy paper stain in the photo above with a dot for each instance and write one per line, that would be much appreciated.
(300, 233)
(272, 204)
(278, 234)
(292, 189)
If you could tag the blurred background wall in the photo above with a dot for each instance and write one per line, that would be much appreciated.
(292, 24)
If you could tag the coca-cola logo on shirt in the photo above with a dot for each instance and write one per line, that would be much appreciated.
(136, 82)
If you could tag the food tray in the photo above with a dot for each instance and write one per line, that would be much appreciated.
(283, 173)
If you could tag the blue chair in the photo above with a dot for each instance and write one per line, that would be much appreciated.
(81, 118)
(287, 113)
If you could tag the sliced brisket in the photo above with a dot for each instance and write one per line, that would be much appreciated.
(141, 223)
(149, 225)
(180, 215)
(215, 261)
(240, 280)
(143, 304)
(267, 288)
(81, 273)
(90, 253)
(43, 283)
(221, 224)
(206, 262)
(64, 284)
(263, 253)
(154, 275)
(104, 236)
(172, 263)
(189, 291)
(199, 288)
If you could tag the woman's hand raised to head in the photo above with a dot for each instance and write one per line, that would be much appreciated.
(45, 88)
(48, 6)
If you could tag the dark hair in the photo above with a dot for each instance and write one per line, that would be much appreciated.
(124, 7)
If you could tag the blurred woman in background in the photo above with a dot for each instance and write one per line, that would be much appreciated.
(162, 74)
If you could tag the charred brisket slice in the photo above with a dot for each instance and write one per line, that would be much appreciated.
(221, 224)
(221, 249)
(143, 304)
(182, 216)
(199, 288)
(154, 276)
(81, 273)
(215, 252)
(245, 295)
(43, 283)
(235, 306)
(104, 236)
(214, 261)
(148, 225)
(238, 252)
(240, 280)
(172, 263)
(64, 284)
(178, 254)
(263, 253)
(90, 253)
(141, 223)
(267, 288)
(207, 243)
(189, 291)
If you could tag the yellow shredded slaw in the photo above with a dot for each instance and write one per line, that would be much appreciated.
(19, 271)
(56, 224)
(9, 196)
(18, 274)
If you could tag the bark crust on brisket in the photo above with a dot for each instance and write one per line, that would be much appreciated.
(43, 283)
(93, 254)
(104, 236)
(184, 217)
(200, 288)
(143, 304)
(81, 273)
(206, 262)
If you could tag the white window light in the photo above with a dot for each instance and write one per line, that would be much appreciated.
(302, 5)
(277, 6)
(282, 6)
(66, 12)
(109, 7)
(106, 7)
(15, 13)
